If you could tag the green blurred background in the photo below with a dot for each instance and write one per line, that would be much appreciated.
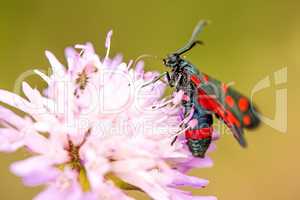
(246, 41)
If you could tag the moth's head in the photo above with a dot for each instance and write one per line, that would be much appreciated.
(171, 60)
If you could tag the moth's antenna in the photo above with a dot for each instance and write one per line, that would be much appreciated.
(193, 40)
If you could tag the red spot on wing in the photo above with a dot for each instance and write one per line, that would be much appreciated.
(229, 100)
(199, 133)
(232, 119)
(195, 80)
(243, 104)
(207, 101)
(210, 103)
(247, 120)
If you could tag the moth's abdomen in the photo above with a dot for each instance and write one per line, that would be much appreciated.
(198, 147)
(199, 138)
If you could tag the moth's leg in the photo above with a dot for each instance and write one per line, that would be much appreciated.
(174, 140)
(189, 105)
(188, 110)
(188, 114)
(169, 79)
(155, 79)
(178, 80)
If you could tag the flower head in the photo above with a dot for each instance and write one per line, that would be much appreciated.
(95, 132)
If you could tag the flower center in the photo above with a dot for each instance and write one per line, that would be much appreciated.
(82, 80)
(75, 161)
(76, 164)
(73, 151)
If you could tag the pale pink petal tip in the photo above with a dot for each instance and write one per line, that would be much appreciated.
(216, 135)
(193, 123)
(178, 96)
(139, 68)
(108, 39)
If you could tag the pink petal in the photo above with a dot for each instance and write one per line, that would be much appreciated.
(139, 68)
(10, 140)
(216, 135)
(57, 68)
(26, 167)
(117, 60)
(37, 143)
(147, 183)
(43, 76)
(16, 101)
(10, 117)
(61, 190)
(182, 195)
(89, 51)
(33, 95)
(180, 179)
(178, 97)
(40, 177)
(108, 39)
(53, 193)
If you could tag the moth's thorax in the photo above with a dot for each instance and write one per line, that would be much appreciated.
(172, 60)
(180, 79)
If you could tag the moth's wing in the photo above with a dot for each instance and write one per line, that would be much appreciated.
(242, 107)
(231, 107)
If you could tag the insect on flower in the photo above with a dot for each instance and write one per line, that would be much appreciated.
(204, 97)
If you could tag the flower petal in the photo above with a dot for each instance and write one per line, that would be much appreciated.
(39, 177)
(10, 140)
(57, 68)
(30, 165)
(180, 179)
(11, 118)
(148, 184)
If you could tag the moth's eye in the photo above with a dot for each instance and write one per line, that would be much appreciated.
(173, 59)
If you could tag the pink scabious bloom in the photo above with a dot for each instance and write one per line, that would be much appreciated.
(95, 132)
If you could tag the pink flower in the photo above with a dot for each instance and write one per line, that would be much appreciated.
(95, 132)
